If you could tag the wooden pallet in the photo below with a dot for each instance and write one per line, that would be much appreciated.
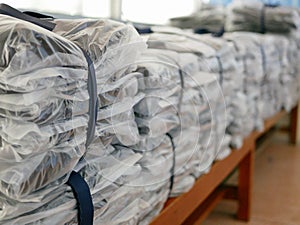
(194, 206)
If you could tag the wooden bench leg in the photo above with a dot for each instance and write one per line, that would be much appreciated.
(294, 125)
(245, 186)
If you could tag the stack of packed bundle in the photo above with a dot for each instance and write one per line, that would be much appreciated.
(289, 57)
(183, 42)
(214, 55)
(175, 104)
(256, 17)
(270, 87)
(209, 17)
(249, 51)
(227, 63)
(50, 75)
(114, 48)
(44, 116)
(270, 100)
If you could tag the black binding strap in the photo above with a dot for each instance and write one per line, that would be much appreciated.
(38, 15)
(262, 20)
(173, 165)
(221, 71)
(83, 197)
(181, 91)
(263, 16)
(93, 101)
(264, 63)
(10, 11)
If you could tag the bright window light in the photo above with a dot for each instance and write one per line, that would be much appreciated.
(89, 8)
(155, 11)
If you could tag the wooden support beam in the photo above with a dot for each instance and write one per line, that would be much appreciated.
(245, 186)
(223, 192)
(294, 125)
(178, 209)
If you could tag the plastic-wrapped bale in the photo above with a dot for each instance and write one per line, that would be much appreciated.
(215, 55)
(193, 95)
(289, 78)
(227, 63)
(271, 87)
(100, 171)
(250, 52)
(182, 42)
(256, 17)
(208, 18)
(294, 57)
(194, 145)
(117, 59)
(113, 47)
(44, 114)
(159, 112)
(115, 177)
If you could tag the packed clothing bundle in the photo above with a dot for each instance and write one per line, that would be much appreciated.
(254, 16)
(113, 48)
(184, 43)
(289, 63)
(209, 18)
(44, 114)
(175, 104)
(250, 52)
(48, 125)
(216, 56)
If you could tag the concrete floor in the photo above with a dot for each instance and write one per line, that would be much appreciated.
(276, 190)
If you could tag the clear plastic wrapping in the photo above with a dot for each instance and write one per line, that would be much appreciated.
(44, 111)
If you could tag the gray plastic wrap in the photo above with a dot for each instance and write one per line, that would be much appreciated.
(214, 55)
(44, 112)
(289, 81)
(176, 94)
(250, 53)
(113, 48)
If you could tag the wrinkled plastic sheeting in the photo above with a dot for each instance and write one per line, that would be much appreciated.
(44, 109)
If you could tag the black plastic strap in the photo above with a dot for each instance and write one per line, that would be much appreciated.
(143, 30)
(262, 20)
(84, 199)
(221, 71)
(219, 33)
(10, 11)
(38, 15)
(182, 87)
(272, 4)
(93, 101)
(264, 63)
(263, 15)
(173, 165)
(201, 30)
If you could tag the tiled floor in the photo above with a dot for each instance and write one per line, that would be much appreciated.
(276, 191)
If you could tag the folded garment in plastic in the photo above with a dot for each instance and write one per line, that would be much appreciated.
(44, 109)
(113, 48)
(175, 88)
(256, 17)
(208, 18)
